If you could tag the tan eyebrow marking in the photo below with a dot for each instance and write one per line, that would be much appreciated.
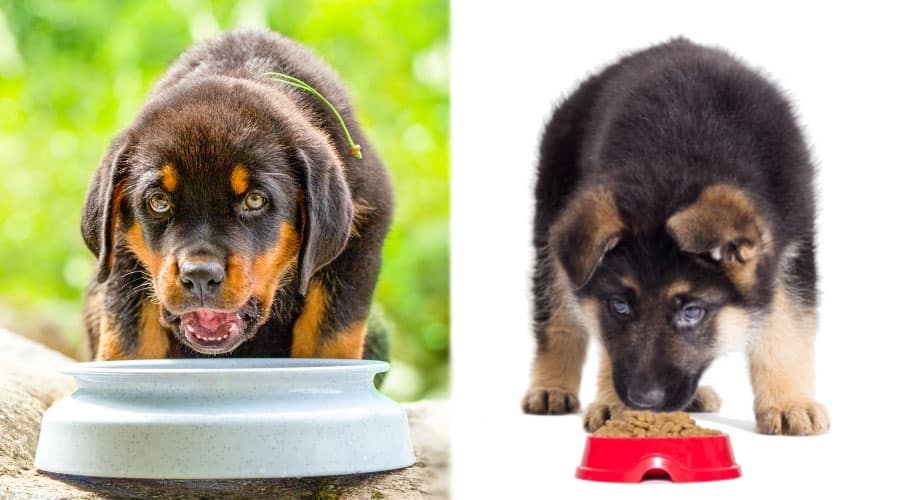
(678, 287)
(630, 282)
(169, 177)
(240, 179)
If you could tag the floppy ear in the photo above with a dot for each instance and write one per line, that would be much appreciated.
(326, 214)
(723, 223)
(101, 207)
(587, 229)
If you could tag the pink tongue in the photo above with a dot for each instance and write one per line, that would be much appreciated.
(211, 320)
(207, 324)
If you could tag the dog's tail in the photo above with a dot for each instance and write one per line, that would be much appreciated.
(378, 342)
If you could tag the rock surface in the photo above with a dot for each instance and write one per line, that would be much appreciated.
(30, 383)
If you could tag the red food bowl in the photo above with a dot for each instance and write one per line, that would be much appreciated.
(679, 459)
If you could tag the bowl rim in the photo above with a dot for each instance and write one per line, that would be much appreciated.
(231, 366)
(661, 438)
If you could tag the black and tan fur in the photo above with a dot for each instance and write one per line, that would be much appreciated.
(302, 271)
(674, 185)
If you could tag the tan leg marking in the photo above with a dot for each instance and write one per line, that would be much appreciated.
(110, 346)
(782, 371)
(347, 344)
(556, 373)
(306, 329)
(607, 403)
(153, 339)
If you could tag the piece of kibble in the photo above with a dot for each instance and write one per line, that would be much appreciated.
(650, 424)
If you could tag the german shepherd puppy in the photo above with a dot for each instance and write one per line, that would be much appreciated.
(675, 218)
(231, 217)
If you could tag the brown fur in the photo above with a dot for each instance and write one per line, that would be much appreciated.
(592, 225)
(685, 169)
(306, 329)
(361, 210)
(607, 403)
(781, 371)
(109, 347)
(556, 373)
(169, 177)
(348, 344)
(150, 259)
(212, 129)
(118, 193)
(270, 268)
(678, 287)
(240, 179)
(155, 339)
(725, 222)
(631, 282)
(167, 282)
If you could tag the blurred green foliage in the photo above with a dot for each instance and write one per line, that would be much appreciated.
(73, 73)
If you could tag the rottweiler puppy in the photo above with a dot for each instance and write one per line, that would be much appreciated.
(231, 216)
(675, 219)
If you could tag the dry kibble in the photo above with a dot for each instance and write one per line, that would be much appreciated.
(650, 424)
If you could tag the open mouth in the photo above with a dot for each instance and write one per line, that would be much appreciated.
(212, 331)
(209, 328)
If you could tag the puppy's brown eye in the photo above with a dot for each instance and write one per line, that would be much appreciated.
(255, 201)
(159, 203)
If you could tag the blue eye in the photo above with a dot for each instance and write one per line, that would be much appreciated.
(691, 314)
(619, 307)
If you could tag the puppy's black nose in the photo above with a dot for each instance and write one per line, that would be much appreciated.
(646, 398)
(202, 277)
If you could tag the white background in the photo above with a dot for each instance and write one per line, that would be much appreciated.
(510, 63)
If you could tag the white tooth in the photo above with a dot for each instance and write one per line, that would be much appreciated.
(233, 329)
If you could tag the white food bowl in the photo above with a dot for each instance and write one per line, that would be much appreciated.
(224, 418)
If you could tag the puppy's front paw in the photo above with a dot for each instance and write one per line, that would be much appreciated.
(705, 401)
(598, 413)
(803, 418)
(549, 401)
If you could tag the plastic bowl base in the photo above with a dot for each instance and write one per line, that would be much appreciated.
(680, 460)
